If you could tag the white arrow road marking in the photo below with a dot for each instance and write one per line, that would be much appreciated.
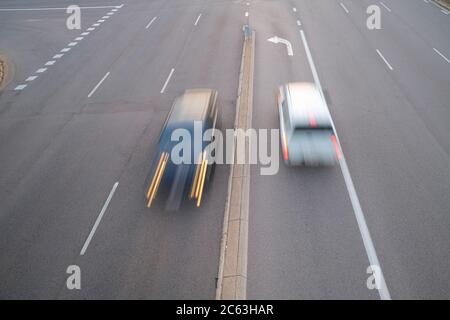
(283, 41)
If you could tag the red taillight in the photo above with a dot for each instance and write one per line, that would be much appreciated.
(312, 120)
(285, 148)
(336, 147)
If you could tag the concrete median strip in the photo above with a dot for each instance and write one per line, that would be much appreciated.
(2, 72)
(232, 277)
(6, 71)
(443, 3)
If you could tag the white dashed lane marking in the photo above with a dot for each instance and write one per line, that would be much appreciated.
(20, 87)
(70, 45)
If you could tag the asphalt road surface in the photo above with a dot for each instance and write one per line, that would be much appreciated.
(81, 117)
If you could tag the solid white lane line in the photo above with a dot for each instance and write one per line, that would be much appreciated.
(98, 84)
(167, 81)
(384, 59)
(344, 7)
(151, 22)
(48, 9)
(31, 78)
(50, 63)
(99, 218)
(41, 70)
(363, 229)
(198, 18)
(20, 87)
(386, 7)
(445, 12)
(439, 53)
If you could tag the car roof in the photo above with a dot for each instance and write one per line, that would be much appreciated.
(306, 106)
(191, 106)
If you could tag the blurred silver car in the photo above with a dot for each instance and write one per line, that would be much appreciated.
(306, 131)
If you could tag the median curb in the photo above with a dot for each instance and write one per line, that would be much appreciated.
(443, 3)
(232, 277)
(6, 71)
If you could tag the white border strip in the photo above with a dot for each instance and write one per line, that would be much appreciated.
(364, 230)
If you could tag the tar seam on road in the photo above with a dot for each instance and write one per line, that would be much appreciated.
(99, 218)
(364, 230)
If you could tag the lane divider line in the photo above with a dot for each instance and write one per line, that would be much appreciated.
(20, 87)
(98, 84)
(198, 18)
(151, 22)
(344, 7)
(99, 218)
(70, 45)
(361, 220)
(167, 81)
(385, 60)
(385, 6)
(442, 55)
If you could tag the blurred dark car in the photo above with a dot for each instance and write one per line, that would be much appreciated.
(195, 109)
